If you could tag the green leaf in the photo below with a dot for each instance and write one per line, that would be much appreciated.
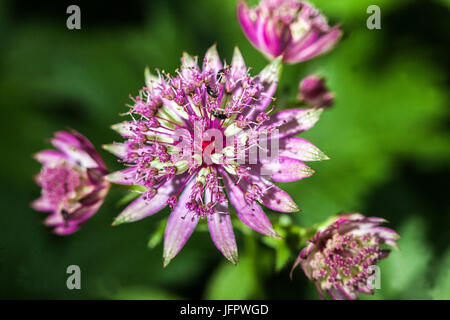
(234, 282)
(128, 198)
(441, 290)
(157, 236)
(143, 293)
(404, 272)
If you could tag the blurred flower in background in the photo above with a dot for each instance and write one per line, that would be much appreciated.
(72, 180)
(313, 92)
(339, 258)
(291, 28)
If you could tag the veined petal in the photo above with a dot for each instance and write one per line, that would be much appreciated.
(123, 128)
(286, 169)
(272, 196)
(322, 45)
(42, 204)
(125, 176)
(269, 79)
(238, 68)
(141, 208)
(212, 61)
(180, 226)
(117, 149)
(250, 214)
(301, 149)
(187, 61)
(150, 79)
(248, 26)
(72, 148)
(221, 230)
(48, 157)
(293, 121)
(63, 230)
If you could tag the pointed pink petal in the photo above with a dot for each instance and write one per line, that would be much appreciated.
(221, 230)
(293, 121)
(250, 214)
(71, 147)
(187, 61)
(125, 176)
(275, 198)
(49, 157)
(117, 149)
(287, 169)
(89, 148)
(42, 204)
(300, 149)
(212, 62)
(322, 45)
(63, 230)
(180, 226)
(269, 79)
(238, 68)
(124, 128)
(141, 208)
(248, 26)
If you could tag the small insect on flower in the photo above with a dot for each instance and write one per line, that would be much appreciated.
(183, 163)
(290, 28)
(72, 180)
(339, 259)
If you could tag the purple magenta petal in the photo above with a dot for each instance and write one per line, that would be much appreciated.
(301, 149)
(49, 157)
(248, 26)
(322, 45)
(125, 176)
(42, 204)
(293, 121)
(141, 208)
(272, 196)
(117, 149)
(71, 147)
(269, 79)
(287, 169)
(250, 214)
(212, 62)
(180, 225)
(221, 230)
(238, 68)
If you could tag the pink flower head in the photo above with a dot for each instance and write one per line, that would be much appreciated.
(340, 259)
(291, 28)
(72, 182)
(193, 144)
(314, 93)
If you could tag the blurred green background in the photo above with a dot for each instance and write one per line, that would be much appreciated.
(387, 136)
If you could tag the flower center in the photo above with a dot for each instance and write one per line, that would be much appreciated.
(345, 260)
(59, 183)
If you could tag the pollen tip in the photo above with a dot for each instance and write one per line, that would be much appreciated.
(166, 262)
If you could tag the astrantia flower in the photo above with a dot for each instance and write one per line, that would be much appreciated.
(340, 258)
(175, 149)
(72, 180)
(292, 28)
(314, 93)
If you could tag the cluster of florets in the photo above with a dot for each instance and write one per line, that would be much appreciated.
(341, 258)
(293, 29)
(172, 111)
(72, 182)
